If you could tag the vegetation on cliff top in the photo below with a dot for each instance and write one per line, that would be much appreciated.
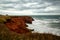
(4, 18)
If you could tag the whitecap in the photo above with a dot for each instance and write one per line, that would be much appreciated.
(41, 27)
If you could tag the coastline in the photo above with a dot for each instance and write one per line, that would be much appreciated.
(6, 34)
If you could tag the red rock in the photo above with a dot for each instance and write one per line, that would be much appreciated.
(27, 19)
(18, 24)
(11, 26)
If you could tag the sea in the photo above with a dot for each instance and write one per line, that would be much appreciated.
(46, 24)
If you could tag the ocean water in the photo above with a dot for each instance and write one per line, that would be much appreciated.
(46, 24)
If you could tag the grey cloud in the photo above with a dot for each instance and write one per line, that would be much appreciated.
(54, 2)
(50, 0)
(8, 2)
(18, 1)
(42, 11)
(14, 2)
(40, 5)
(5, 8)
(57, 3)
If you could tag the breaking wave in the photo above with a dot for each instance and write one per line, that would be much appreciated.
(44, 26)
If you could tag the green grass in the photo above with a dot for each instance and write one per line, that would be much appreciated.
(4, 18)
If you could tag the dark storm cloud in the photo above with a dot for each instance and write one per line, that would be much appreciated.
(18, 1)
(38, 6)
(50, 0)
(54, 3)
(21, 6)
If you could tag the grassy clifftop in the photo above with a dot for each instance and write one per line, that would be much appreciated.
(3, 18)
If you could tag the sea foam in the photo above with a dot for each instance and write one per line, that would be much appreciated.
(41, 26)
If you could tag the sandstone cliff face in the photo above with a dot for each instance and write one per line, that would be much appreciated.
(18, 24)
(27, 19)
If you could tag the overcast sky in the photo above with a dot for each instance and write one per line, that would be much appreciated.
(30, 7)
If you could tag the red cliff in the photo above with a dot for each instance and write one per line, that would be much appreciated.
(18, 24)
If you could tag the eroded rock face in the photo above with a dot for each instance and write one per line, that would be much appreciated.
(18, 24)
(27, 19)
